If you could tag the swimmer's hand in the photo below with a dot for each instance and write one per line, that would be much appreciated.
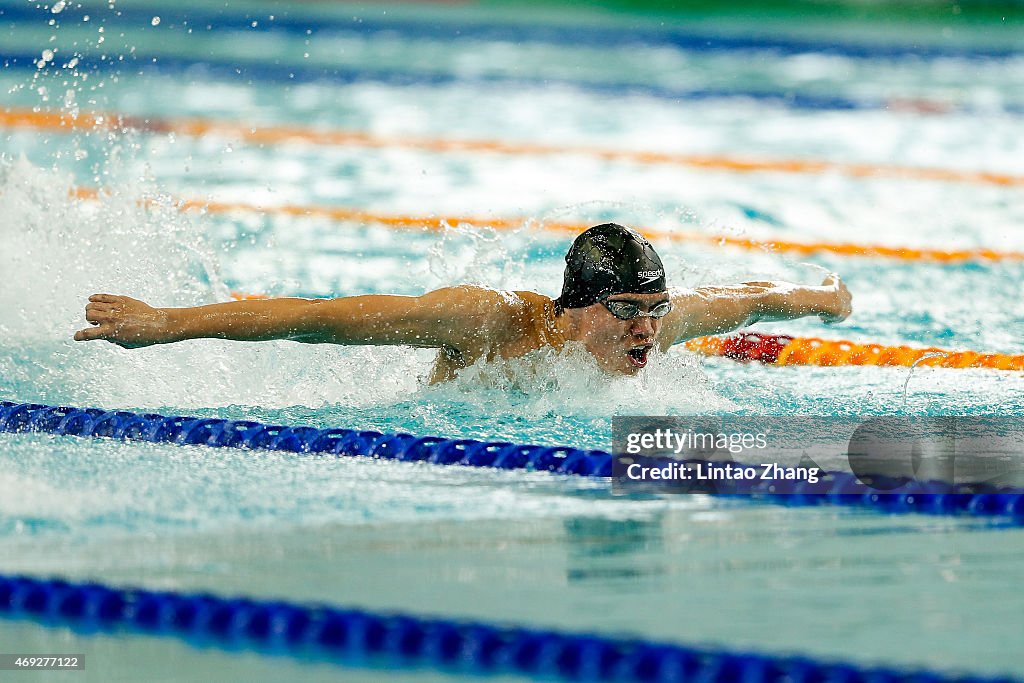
(841, 302)
(124, 321)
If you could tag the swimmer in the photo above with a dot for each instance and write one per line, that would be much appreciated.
(614, 301)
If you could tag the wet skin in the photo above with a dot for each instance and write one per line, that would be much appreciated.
(468, 323)
(621, 346)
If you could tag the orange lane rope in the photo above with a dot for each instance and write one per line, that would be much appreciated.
(338, 213)
(281, 134)
(775, 349)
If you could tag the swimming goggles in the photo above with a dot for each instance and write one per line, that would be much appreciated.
(627, 310)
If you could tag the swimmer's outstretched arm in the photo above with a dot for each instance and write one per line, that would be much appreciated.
(714, 310)
(454, 317)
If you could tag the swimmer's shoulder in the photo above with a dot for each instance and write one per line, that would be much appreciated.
(531, 307)
(531, 300)
(502, 315)
(533, 318)
(520, 313)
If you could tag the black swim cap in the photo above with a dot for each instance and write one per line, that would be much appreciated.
(609, 259)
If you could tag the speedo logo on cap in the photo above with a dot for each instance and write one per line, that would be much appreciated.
(648, 276)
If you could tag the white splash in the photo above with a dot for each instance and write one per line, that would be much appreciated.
(569, 382)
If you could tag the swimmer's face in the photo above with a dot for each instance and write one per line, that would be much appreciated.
(621, 347)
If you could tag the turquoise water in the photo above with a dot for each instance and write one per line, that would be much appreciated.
(510, 547)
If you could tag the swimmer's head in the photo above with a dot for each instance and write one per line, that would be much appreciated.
(609, 259)
(614, 296)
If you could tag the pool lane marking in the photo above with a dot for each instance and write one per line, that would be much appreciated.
(559, 34)
(406, 642)
(777, 349)
(251, 72)
(262, 72)
(833, 488)
(342, 214)
(274, 135)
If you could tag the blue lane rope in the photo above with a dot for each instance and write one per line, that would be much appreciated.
(356, 637)
(475, 30)
(261, 71)
(65, 420)
(833, 488)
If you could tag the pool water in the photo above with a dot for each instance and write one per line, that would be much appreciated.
(508, 547)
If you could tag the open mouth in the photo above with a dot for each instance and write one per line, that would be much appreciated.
(638, 355)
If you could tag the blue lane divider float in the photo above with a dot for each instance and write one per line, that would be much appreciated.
(356, 637)
(96, 422)
(197, 20)
(833, 488)
(251, 71)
